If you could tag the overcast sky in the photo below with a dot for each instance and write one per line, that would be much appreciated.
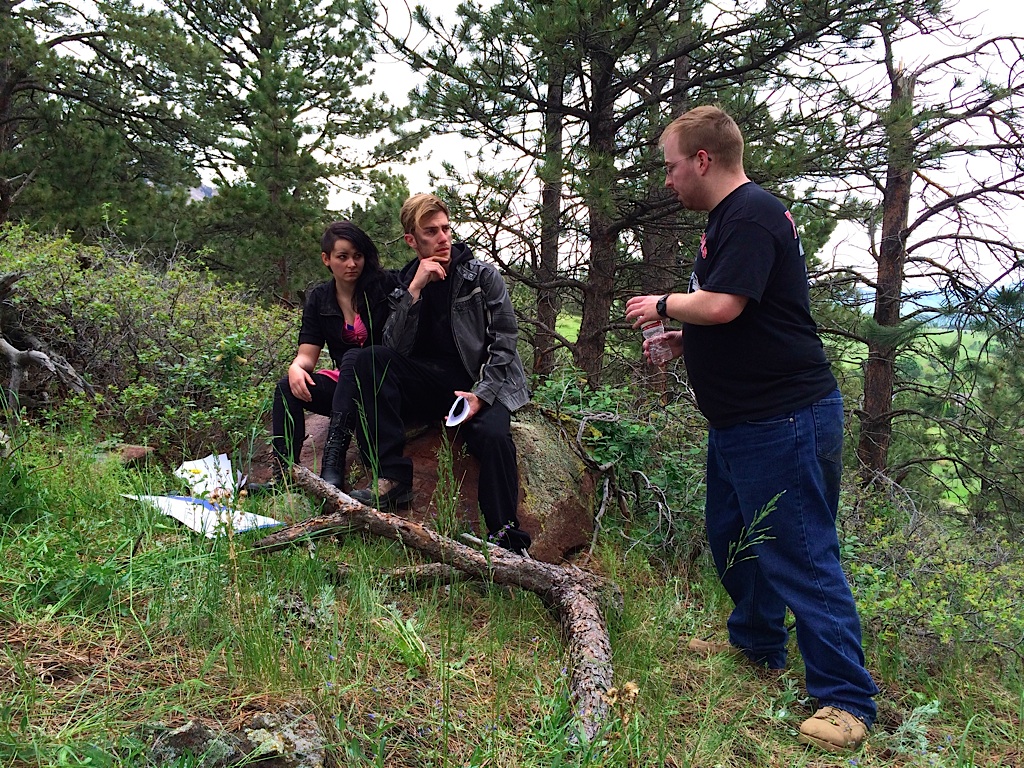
(992, 17)
(848, 246)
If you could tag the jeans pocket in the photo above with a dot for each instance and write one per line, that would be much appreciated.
(828, 429)
(773, 421)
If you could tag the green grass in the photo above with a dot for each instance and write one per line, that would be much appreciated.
(115, 619)
(568, 325)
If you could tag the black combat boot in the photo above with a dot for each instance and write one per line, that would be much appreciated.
(338, 438)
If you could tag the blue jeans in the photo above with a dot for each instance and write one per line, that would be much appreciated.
(790, 557)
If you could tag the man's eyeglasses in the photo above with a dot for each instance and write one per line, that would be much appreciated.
(669, 167)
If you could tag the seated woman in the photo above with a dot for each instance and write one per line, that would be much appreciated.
(347, 313)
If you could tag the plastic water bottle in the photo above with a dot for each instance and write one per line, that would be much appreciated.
(659, 349)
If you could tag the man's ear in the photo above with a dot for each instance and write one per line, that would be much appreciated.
(410, 240)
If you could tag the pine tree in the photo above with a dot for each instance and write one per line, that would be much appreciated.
(90, 112)
(496, 75)
(287, 102)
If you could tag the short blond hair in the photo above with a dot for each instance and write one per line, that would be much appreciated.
(710, 129)
(418, 207)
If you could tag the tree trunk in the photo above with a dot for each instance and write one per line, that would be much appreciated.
(548, 301)
(597, 295)
(659, 241)
(599, 290)
(880, 369)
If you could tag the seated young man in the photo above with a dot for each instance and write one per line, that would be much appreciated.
(452, 333)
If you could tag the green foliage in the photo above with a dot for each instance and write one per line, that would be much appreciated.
(404, 635)
(287, 105)
(891, 336)
(247, 235)
(93, 110)
(934, 590)
(56, 548)
(912, 735)
(116, 104)
(175, 359)
(614, 435)
(446, 492)
(652, 456)
(379, 218)
(118, 623)
(757, 533)
(84, 165)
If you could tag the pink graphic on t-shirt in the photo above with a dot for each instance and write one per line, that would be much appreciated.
(792, 221)
(703, 245)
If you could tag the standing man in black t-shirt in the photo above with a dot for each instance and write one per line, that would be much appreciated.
(451, 334)
(759, 372)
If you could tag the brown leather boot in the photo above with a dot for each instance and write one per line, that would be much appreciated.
(834, 730)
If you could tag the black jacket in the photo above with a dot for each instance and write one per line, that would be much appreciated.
(322, 321)
(483, 325)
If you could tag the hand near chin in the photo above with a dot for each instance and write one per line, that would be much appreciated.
(427, 271)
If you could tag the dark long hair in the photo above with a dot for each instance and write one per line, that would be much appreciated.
(346, 230)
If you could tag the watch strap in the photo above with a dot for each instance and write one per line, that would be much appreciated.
(662, 306)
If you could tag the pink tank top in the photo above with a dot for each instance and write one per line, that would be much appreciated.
(355, 333)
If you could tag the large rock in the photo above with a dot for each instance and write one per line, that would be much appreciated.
(556, 497)
(285, 739)
(130, 455)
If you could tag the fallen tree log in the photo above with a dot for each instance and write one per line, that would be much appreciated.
(576, 595)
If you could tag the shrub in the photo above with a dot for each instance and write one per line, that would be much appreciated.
(650, 454)
(930, 589)
(176, 359)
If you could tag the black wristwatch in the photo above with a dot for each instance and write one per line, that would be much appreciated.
(662, 307)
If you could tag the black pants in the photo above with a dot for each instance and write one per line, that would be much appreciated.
(392, 388)
(289, 413)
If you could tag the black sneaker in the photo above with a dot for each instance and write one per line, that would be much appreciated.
(515, 540)
(264, 489)
(389, 495)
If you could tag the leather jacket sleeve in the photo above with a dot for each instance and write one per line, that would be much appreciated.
(401, 327)
(378, 302)
(500, 366)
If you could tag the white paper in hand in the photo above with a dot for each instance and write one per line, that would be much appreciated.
(459, 412)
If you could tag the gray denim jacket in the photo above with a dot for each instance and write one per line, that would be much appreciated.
(483, 323)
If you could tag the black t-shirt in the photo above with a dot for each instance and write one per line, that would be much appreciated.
(769, 360)
(434, 339)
